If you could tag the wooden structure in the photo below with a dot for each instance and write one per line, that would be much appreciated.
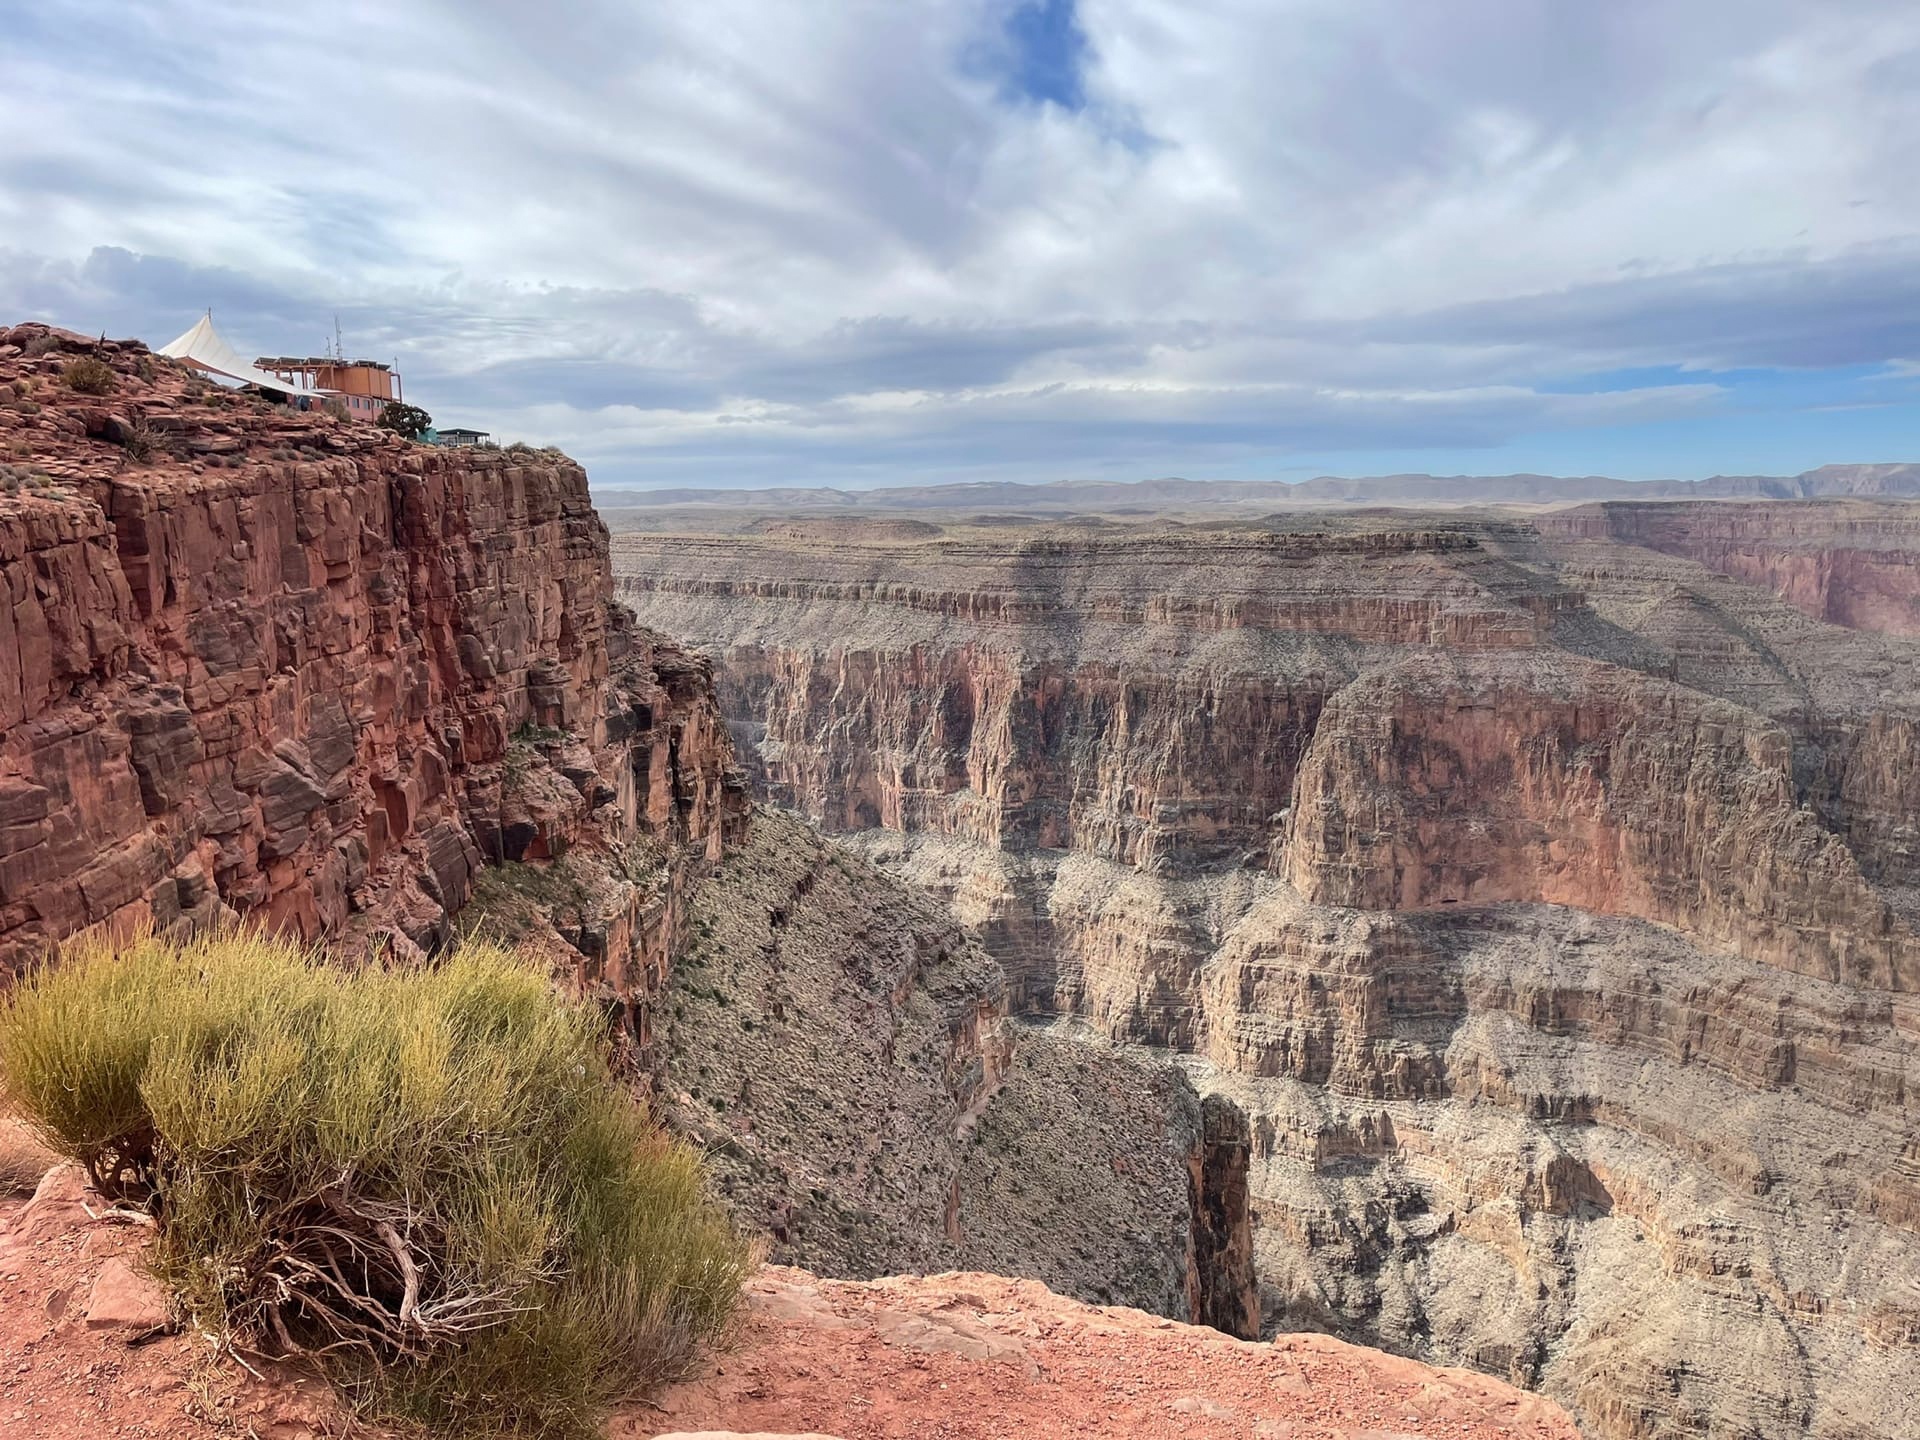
(363, 386)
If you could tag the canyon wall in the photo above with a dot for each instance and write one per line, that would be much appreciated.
(841, 1049)
(263, 664)
(1847, 562)
(1542, 901)
(269, 667)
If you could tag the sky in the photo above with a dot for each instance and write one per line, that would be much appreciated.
(868, 242)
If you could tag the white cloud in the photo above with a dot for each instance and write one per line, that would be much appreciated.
(1275, 227)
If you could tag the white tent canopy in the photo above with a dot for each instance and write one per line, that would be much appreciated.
(205, 348)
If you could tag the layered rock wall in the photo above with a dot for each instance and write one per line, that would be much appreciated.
(1844, 562)
(264, 664)
(1543, 902)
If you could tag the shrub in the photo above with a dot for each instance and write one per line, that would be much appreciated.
(426, 1179)
(143, 441)
(88, 376)
(408, 420)
(337, 408)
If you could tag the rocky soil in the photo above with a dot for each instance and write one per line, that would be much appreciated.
(1540, 888)
(88, 1349)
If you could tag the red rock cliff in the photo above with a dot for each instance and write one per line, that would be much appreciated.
(273, 665)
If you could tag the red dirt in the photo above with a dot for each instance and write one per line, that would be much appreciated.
(945, 1357)
(64, 1378)
(978, 1357)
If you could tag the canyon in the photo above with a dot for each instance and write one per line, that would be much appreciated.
(84, 1352)
(1535, 890)
(1483, 935)
(269, 668)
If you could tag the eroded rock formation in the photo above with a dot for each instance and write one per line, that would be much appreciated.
(1853, 564)
(841, 1049)
(1544, 901)
(261, 665)
(266, 664)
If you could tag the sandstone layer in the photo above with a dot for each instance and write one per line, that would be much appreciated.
(1544, 901)
(1851, 564)
(262, 664)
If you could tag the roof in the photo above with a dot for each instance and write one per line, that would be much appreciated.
(319, 362)
(207, 349)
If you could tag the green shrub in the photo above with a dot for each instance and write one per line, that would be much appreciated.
(88, 376)
(407, 420)
(427, 1179)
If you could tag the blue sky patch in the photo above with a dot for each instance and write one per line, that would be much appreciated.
(1047, 52)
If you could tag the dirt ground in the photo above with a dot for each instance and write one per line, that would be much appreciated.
(85, 1353)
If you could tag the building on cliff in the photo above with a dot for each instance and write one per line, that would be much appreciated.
(361, 386)
(206, 350)
(365, 387)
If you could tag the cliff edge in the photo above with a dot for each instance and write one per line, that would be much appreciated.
(86, 1350)
(261, 663)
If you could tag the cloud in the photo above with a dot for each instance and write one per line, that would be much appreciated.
(895, 239)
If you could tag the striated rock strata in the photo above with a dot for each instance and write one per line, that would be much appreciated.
(270, 667)
(1541, 891)
(1846, 562)
(262, 664)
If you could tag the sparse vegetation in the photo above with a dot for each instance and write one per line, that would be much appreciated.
(531, 733)
(88, 376)
(13, 478)
(23, 1158)
(337, 408)
(143, 442)
(427, 1180)
(405, 420)
(508, 897)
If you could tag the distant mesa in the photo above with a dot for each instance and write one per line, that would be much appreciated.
(1065, 497)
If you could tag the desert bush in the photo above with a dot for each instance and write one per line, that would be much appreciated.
(337, 408)
(88, 376)
(427, 1179)
(407, 420)
(143, 442)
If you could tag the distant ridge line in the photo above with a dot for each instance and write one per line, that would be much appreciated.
(1879, 481)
